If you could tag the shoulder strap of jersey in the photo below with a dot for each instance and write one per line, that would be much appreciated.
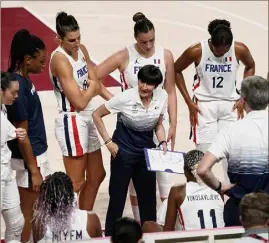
(133, 54)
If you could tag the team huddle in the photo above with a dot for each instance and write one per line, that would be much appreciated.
(146, 118)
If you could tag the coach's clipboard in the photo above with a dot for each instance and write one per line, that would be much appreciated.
(172, 161)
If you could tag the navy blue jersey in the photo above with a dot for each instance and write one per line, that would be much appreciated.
(28, 107)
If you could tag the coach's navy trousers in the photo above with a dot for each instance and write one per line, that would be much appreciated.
(123, 168)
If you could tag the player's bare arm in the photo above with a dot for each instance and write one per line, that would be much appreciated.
(243, 54)
(62, 69)
(28, 156)
(170, 88)
(175, 199)
(104, 93)
(191, 55)
(118, 60)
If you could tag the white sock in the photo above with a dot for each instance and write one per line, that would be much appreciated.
(136, 214)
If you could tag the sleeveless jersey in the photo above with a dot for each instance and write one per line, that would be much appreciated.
(202, 208)
(215, 77)
(136, 62)
(80, 75)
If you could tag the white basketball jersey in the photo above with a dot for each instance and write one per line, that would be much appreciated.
(136, 62)
(76, 232)
(215, 77)
(202, 208)
(80, 75)
(8, 132)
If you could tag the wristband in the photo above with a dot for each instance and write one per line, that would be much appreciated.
(162, 143)
(108, 141)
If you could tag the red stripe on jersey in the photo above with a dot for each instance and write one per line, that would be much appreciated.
(181, 218)
(72, 108)
(230, 59)
(194, 128)
(124, 81)
(79, 150)
(196, 85)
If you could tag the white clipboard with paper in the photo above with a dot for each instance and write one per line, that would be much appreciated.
(172, 161)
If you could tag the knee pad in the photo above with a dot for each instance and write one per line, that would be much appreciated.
(132, 191)
(165, 183)
(14, 223)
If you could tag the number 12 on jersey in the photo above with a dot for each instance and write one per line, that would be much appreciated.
(200, 214)
(217, 82)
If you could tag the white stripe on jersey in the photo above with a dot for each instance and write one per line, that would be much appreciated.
(215, 77)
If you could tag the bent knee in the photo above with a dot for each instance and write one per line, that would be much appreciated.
(78, 185)
(151, 226)
(96, 179)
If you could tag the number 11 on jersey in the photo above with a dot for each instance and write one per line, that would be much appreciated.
(200, 214)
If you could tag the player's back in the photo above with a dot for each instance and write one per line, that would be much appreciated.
(202, 208)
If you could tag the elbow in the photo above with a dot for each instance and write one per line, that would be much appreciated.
(95, 117)
(79, 106)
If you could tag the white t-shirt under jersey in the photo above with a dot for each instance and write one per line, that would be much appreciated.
(215, 77)
(80, 75)
(202, 208)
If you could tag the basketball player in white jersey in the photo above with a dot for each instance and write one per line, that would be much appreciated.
(65, 222)
(191, 206)
(128, 61)
(75, 84)
(216, 97)
(10, 199)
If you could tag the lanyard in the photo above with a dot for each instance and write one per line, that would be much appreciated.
(255, 236)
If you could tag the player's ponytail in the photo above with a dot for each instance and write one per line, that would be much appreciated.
(65, 23)
(142, 24)
(220, 31)
(23, 43)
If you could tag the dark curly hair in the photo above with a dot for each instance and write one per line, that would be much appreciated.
(220, 31)
(55, 203)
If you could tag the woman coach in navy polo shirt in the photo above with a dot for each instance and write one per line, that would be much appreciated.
(141, 112)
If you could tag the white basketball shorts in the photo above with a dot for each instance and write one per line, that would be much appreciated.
(23, 175)
(214, 116)
(76, 134)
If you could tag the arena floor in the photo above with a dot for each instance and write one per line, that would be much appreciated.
(107, 26)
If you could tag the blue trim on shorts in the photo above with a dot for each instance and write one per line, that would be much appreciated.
(67, 138)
